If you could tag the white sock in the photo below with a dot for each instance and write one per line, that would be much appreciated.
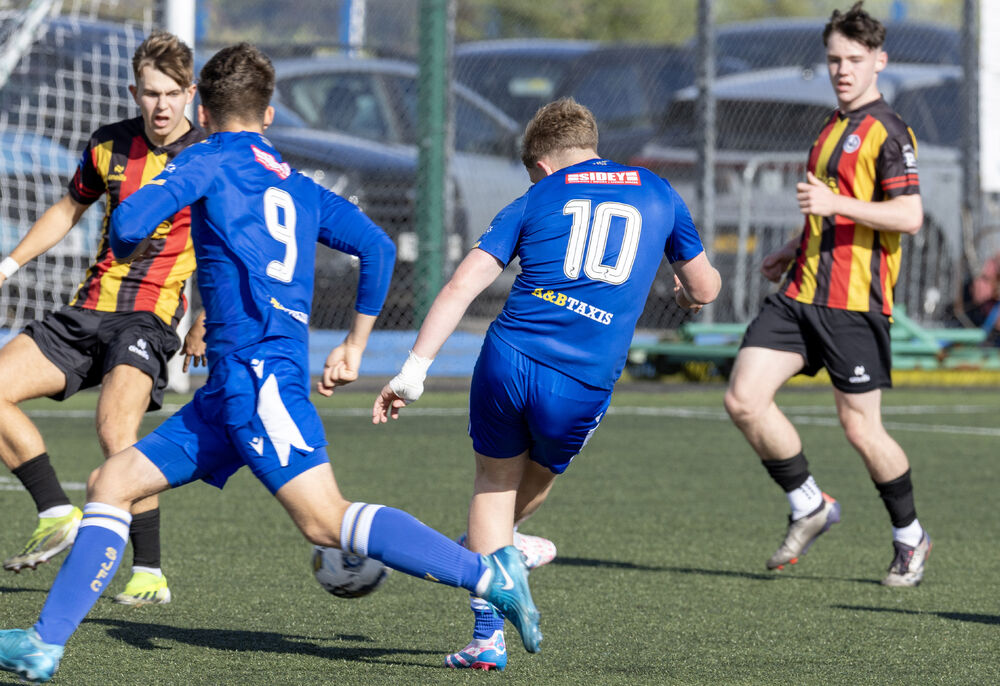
(909, 534)
(57, 511)
(805, 499)
(148, 570)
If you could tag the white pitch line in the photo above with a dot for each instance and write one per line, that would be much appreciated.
(9, 483)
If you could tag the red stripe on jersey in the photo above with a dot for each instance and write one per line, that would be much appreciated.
(133, 180)
(843, 239)
(794, 286)
(818, 145)
(156, 276)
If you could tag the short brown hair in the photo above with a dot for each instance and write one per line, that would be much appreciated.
(857, 25)
(237, 83)
(561, 125)
(165, 52)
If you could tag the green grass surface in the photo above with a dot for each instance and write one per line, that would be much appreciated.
(663, 526)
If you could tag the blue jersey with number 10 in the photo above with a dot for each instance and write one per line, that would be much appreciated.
(590, 239)
(255, 223)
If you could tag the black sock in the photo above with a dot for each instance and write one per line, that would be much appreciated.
(898, 498)
(145, 535)
(40, 479)
(789, 474)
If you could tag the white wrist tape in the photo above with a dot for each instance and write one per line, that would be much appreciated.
(409, 383)
(8, 266)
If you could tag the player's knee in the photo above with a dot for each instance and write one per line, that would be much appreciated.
(321, 533)
(858, 430)
(740, 408)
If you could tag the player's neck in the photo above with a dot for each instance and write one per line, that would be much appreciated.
(159, 141)
(867, 98)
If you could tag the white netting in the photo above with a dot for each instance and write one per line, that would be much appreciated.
(64, 71)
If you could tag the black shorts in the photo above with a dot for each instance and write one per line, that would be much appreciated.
(853, 346)
(86, 344)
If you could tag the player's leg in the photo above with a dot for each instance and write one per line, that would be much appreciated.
(859, 359)
(399, 540)
(774, 349)
(861, 416)
(124, 397)
(536, 484)
(26, 373)
(90, 566)
(136, 348)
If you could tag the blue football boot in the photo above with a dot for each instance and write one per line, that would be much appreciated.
(508, 592)
(28, 656)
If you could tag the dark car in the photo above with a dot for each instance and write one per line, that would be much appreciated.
(769, 43)
(627, 87)
(72, 79)
(518, 75)
(351, 124)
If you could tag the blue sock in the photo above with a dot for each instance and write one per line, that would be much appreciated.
(488, 620)
(92, 562)
(398, 540)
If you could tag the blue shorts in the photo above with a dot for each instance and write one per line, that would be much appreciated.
(517, 404)
(254, 411)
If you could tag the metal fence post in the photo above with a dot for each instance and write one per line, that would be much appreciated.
(705, 79)
(433, 114)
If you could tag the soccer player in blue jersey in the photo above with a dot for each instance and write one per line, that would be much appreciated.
(255, 224)
(590, 235)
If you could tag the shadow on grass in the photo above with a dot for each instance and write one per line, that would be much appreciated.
(142, 636)
(620, 564)
(731, 573)
(957, 616)
(5, 589)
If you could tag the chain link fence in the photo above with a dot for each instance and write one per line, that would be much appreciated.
(347, 116)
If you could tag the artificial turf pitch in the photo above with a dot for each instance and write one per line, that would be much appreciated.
(663, 526)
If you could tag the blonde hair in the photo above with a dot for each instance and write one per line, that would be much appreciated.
(561, 125)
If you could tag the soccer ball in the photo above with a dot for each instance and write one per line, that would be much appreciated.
(347, 575)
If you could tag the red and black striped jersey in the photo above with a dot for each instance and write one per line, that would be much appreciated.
(870, 154)
(118, 160)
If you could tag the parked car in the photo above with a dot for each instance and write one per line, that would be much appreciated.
(766, 123)
(72, 79)
(627, 87)
(34, 171)
(351, 124)
(769, 43)
(518, 75)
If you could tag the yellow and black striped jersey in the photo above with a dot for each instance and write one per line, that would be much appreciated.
(118, 160)
(869, 154)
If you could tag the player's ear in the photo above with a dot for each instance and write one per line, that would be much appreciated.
(268, 116)
(881, 60)
(134, 92)
(190, 93)
(203, 119)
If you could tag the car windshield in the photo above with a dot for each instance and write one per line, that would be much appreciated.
(517, 85)
(750, 126)
(752, 48)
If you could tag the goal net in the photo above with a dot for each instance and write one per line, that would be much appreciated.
(64, 71)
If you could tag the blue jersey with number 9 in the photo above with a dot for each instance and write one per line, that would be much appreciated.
(255, 223)
(589, 239)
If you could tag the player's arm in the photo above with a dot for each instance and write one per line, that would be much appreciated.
(477, 271)
(50, 228)
(182, 183)
(346, 228)
(901, 214)
(194, 344)
(696, 282)
(776, 263)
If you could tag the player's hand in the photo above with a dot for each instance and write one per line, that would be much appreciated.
(681, 298)
(387, 404)
(194, 345)
(342, 365)
(775, 264)
(815, 197)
